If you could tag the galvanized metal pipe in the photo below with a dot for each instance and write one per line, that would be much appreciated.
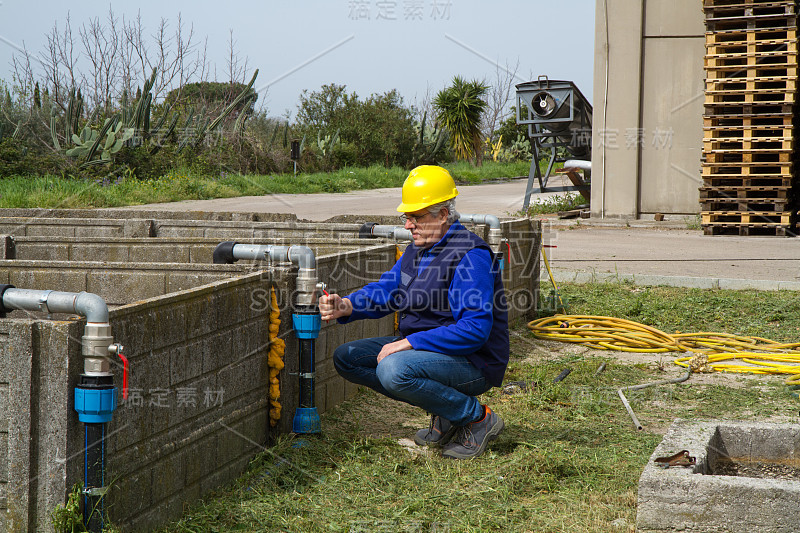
(229, 252)
(389, 232)
(621, 393)
(495, 237)
(85, 304)
(95, 395)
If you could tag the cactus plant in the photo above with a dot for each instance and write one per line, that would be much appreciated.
(327, 143)
(112, 136)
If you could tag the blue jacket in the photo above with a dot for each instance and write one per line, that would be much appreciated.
(450, 298)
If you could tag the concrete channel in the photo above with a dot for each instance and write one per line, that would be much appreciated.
(197, 338)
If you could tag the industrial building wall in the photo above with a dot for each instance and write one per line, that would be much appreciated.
(648, 107)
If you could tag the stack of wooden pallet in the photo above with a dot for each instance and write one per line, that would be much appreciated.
(751, 83)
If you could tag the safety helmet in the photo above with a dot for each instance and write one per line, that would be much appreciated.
(426, 185)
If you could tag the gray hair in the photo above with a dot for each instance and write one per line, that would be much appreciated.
(450, 205)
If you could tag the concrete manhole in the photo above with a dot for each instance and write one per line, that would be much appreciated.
(746, 478)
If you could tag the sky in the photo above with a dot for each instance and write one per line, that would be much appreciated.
(371, 46)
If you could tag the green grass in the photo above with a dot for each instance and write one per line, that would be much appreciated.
(554, 204)
(569, 459)
(53, 192)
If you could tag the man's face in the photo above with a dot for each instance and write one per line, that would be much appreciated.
(426, 228)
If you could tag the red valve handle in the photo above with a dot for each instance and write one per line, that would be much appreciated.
(124, 375)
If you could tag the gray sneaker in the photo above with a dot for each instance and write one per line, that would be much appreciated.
(471, 440)
(437, 433)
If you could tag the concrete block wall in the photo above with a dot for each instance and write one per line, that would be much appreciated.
(148, 250)
(116, 283)
(198, 405)
(223, 230)
(38, 428)
(521, 274)
(198, 409)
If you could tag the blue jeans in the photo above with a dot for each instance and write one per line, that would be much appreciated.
(445, 385)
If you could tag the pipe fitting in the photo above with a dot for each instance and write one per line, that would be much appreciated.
(95, 345)
(307, 287)
(229, 252)
(389, 232)
(97, 332)
(302, 256)
(3, 308)
(223, 253)
(495, 237)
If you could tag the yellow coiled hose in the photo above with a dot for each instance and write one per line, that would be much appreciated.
(723, 352)
(720, 352)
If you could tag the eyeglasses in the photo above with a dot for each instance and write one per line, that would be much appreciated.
(413, 218)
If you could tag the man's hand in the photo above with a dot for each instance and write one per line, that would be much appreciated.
(392, 347)
(334, 306)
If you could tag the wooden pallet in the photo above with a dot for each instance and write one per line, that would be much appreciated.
(751, 36)
(760, 46)
(733, 204)
(747, 144)
(762, 22)
(767, 126)
(728, 73)
(728, 180)
(752, 84)
(762, 96)
(745, 193)
(722, 4)
(729, 158)
(772, 59)
(761, 136)
(759, 218)
(724, 110)
(750, 230)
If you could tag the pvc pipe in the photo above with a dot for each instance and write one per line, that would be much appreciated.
(578, 163)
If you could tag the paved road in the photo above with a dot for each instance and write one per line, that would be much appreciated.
(586, 248)
(502, 199)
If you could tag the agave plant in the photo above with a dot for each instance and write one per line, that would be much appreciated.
(459, 109)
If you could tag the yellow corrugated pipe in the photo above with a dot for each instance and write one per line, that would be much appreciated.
(711, 351)
(397, 255)
(274, 359)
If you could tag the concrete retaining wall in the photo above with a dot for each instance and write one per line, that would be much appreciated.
(196, 338)
(148, 250)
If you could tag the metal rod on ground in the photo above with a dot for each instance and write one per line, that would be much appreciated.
(621, 393)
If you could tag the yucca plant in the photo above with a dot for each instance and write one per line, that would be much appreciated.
(459, 108)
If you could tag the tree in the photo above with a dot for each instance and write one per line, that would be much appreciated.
(379, 129)
(460, 109)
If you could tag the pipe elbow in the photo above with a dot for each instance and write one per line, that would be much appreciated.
(223, 253)
(92, 307)
(490, 220)
(302, 256)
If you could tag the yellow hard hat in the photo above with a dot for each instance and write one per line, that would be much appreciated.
(426, 185)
